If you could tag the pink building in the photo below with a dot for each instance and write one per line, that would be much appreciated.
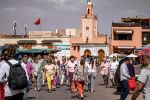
(129, 34)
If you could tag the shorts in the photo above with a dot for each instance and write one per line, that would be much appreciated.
(112, 74)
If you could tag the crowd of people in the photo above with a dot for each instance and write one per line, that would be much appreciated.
(19, 74)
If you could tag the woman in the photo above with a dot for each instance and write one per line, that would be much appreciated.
(81, 74)
(50, 72)
(63, 71)
(37, 74)
(91, 75)
(104, 71)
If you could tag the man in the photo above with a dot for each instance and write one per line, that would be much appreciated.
(63, 71)
(29, 69)
(4, 58)
(124, 76)
(11, 94)
(45, 57)
(143, 84)
(113, 67)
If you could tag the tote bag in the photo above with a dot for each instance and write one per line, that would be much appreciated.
(132, 84)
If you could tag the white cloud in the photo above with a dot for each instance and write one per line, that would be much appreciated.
(10, 9)
(69, 5)
(53, 1)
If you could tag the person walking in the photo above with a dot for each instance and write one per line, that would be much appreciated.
(113, 68)
(63, 71)
(143, 84)
(29, 71)
(124, 76)
(4, 58)
(104, 71)
(81, 74)
(37, 74)
(50, 73)
(91, 75)
(14, 92)
(45, 58)
(70, 72)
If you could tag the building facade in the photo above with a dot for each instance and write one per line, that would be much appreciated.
(129, 34)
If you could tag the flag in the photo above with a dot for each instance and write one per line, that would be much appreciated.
(37, 22)
(14, 25)
(25, 25)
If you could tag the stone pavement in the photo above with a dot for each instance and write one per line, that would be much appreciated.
(63, 93)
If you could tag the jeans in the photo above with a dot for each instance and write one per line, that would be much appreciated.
(62, 79)
(15, 97)
(27, 89)
(124, 89)
(91, 83)
(38, 82)
(72, 81)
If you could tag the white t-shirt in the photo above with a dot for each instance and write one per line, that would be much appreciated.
(4, 69)
(144, 77)
(114, 65)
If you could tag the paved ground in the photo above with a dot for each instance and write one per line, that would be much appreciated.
(63, 93)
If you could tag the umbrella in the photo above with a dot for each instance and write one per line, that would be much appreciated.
(131, 56)
(115, 54)
(147, 49)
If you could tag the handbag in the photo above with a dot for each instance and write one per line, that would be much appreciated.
(132, 84)
(102, 72)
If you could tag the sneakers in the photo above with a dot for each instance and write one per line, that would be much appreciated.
(81, 96)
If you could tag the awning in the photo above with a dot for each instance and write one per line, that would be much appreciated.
(27, 42)
(126, 47)
(78, 44)
(35, 51)
(50, 41)
(123, 31)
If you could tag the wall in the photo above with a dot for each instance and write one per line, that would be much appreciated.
(135, 42)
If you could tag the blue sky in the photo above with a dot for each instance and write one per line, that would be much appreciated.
(62, 14)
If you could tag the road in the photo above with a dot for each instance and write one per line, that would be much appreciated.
(63, 93)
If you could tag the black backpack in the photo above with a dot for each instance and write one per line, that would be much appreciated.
(17, 78)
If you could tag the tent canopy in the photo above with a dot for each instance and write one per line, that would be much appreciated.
(132, 56)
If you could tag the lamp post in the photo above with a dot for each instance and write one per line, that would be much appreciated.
(106, 45)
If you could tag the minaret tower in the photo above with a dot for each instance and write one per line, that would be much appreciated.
(89, 23)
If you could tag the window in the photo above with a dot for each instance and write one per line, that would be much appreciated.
(88, 11)
(145, 38)
(122, 36)
(87, 27)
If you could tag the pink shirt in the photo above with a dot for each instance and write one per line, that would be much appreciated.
(29, 68)
(71, 66)
(104, 67)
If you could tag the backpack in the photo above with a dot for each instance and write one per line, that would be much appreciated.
(17, 78)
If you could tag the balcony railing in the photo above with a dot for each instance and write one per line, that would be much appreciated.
(146, 27)
(126, 25)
